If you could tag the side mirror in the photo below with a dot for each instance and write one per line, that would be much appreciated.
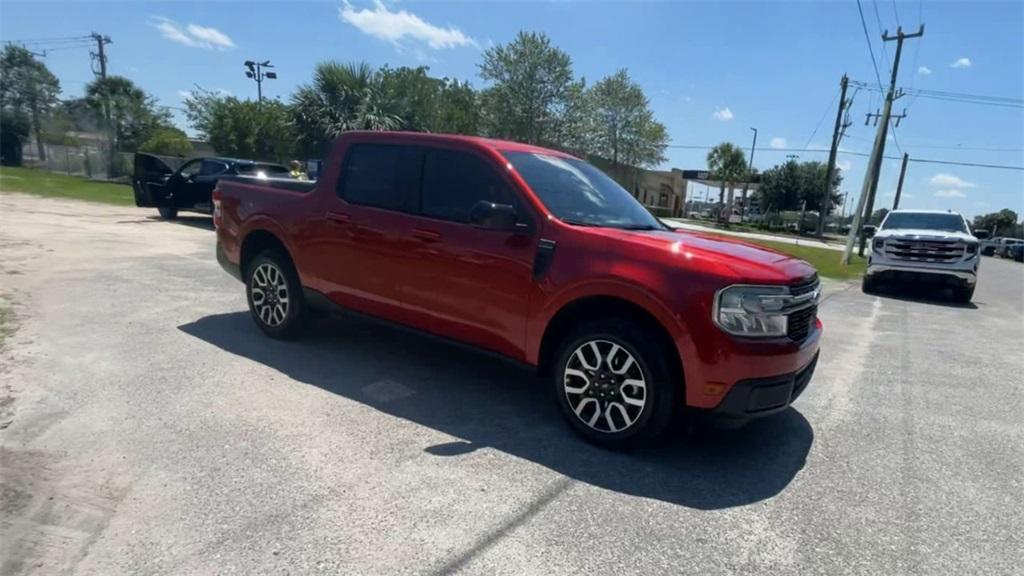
(868, 231)
(493, 216)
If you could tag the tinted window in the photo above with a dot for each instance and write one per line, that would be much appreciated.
(212, 168)
(924, 221)
(579, 193)
(268, 169)
(455, 181)
(382, 176)
(191, 168)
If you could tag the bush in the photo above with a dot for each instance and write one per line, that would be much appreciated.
(167, 142)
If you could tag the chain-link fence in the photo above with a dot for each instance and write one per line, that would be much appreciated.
(87, 161)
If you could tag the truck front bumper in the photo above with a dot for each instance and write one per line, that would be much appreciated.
(961, 272)
(758, 397)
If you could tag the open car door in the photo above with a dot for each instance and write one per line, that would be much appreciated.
(149, 181)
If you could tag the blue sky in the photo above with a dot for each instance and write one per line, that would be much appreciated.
(711, 69)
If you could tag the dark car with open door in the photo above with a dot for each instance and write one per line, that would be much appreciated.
(190, 187)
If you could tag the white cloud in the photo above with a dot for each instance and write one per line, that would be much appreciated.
(844, 165)
(945, 180)
(950, 193)
(184, 94)
(924, 71)
(777, 142)
(396, 27)
(964, 62)
(193, 35)
(723, 114)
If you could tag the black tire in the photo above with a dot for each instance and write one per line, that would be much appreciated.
(650, 360)
(168, 212)
(868, 285)
(283, 326)
(963, 294)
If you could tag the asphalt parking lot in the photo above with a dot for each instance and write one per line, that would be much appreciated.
(147, 426)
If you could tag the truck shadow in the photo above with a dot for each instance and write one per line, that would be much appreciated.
(202, 222)
(494, 404)
(923, 294)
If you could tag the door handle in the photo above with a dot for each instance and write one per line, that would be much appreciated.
(426, 236)
(338, 217)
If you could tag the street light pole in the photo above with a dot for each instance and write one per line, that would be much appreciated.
(255, 71)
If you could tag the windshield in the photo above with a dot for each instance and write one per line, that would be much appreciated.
(924, 221)
(578, 193)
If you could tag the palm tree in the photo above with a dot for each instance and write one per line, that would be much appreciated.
(342, 97)
(727, 164)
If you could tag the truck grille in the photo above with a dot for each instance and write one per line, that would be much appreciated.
(800, 322)
(924, 250)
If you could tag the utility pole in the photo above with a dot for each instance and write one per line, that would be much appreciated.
(867, 193)
(750, 173)
(100, 54)
(899, 187)
(837, 134)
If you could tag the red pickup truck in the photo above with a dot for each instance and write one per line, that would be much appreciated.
(535, 255)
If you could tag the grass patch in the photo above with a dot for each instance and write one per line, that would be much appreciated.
(824, 259)
(6, 323)
(50, 184)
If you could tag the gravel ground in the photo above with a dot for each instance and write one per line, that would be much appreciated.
(147, 427)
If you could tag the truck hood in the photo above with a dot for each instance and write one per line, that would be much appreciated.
(744, 261)
(922, 234)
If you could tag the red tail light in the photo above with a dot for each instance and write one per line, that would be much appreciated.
(218, 217)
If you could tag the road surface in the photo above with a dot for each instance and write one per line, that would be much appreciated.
(147, 427)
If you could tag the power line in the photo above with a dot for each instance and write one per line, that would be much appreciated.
(867, 37)
(862, 154)
(878, 20)
(896, 13)
(822, 119)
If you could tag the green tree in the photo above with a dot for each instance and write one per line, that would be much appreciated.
(1004, 222)
(132, 114)
(531, 90)
(728, 164)
(243, 128)
(623, 128)
(342, 97)
(15, 128)
(878, 215)
(167, 142)
(797, 185)
(423, 103)
(28, 88)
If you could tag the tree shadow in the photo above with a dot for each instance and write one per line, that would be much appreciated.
(490, 403)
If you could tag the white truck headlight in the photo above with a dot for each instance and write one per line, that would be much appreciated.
(752, 311)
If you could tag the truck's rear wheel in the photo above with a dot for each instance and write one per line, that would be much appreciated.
(168, 212)
(613, 383)
(275, 295)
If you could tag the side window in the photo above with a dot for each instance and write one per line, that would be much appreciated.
(212, 168)
(454, 181)
(382, 176)
(191, 168)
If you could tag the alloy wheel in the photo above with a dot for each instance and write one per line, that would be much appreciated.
(605, 386)
(269, 293)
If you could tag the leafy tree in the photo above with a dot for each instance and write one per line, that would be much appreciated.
(28, 88)
(878, 215)
(15, 128)
(1003, 222)
(132, 114)
(623, 127)
(797, 185)
(728, 164)
(342, 97)
(423, 103)
(167, 142)
(243, 128)
(530, 92)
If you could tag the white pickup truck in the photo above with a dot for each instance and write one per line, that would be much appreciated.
(919, 246)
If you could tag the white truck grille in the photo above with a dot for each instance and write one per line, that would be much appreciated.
(924, 250)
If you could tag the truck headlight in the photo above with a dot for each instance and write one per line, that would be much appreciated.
(972, 248)
(877, 244)
(752, 311)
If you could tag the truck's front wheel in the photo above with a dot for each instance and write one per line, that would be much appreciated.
(963, 294)
(613, 383)
(168, 212)
(275, 295)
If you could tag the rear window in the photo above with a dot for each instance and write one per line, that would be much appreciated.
(382, 176)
